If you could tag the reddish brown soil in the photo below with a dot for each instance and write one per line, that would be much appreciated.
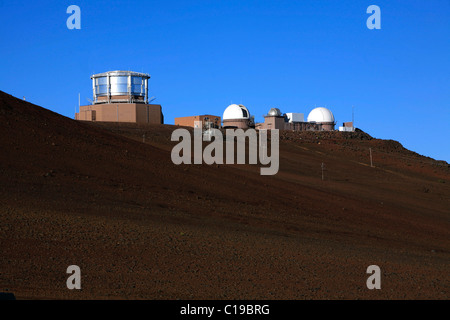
(96, 196)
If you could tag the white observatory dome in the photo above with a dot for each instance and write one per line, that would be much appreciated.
(235, 111)
(320, 115)
(274, 112)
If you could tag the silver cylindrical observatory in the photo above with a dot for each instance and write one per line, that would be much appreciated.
(120, 86)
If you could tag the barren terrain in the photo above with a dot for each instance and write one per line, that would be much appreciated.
(97, 196)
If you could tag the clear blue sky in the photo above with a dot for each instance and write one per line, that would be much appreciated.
(202, 55)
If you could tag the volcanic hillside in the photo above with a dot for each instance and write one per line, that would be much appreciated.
(98, 196)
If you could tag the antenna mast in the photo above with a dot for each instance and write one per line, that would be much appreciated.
(353, 116)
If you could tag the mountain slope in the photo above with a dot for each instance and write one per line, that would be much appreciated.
(96, 195)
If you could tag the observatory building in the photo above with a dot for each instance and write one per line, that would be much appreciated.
(287, 121)
(274, 120)
(347, 127)
(237, 116)
(324, 117)
(121, 96)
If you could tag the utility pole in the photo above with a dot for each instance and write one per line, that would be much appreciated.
(353, 116)
(371, 163)
(323, 167)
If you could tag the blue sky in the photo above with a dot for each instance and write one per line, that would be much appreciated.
(203, 55)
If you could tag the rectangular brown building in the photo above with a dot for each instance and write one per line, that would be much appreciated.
(122, 112)
(204, 119)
